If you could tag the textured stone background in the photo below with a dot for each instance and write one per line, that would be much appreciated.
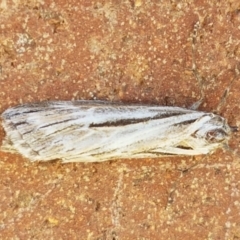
(130, 51)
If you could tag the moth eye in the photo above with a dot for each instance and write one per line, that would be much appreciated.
(217, 135)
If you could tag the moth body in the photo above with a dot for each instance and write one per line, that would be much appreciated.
(94, 131)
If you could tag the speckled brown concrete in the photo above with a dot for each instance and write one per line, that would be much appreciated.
(130, 51)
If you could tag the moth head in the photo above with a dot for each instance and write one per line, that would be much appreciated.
(212, 128)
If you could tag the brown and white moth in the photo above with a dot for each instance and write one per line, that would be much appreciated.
(94, 131)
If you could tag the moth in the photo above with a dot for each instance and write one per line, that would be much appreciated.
(94, 131)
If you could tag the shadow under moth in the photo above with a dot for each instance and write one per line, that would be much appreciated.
(94, 131)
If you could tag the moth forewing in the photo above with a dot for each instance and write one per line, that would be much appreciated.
(91, 131)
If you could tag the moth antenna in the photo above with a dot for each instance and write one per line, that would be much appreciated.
(225, 95)
(200, 79)
(232, 151)
(196, 74)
